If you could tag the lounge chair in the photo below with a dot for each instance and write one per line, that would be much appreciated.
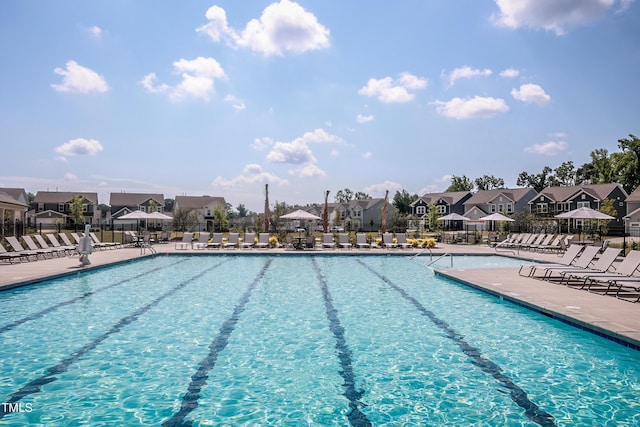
(361, 241)
(603, 264)
(54, 242)
(164, 237)
(401, 239)
(98, 244)
(216, 241)
(202, 242)
(31, 245)
(288, 243)
(44, 245)
(146, 243)
(343, 241)
(263, 241)
(186, 242)
(17, 248)
(65, 239)
(387, 241)
(10, 256)
(327, 241)
(585, 260)
(249, 240)
(569, 256)
(623, 272)
(232, 241)
(310, 243)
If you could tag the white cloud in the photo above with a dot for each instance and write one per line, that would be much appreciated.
(389, 90)
(96, 32)
(551, 15)
(378, 190)
(79, 79)
(367, 155)
(467, 72)
(251, 175)
(198, 79)
(364, 119)
(531, 93)
(70, 177)
(294, 152)
(549, 148)
(260, 144)
(308, 171)
(509, 73)
(283, 27)
(476, 107)
(79, 147)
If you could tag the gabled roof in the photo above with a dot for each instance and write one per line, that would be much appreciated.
(64, 196)
(9, 202)
(134, 199)
(634, 196)
(451, 197)
(49, 213)
(17, 193)
(487, 196)
(198, 202)
(563, 194)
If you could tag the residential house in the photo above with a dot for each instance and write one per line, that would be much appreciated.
(203, 205)
(632, 218)
(365, 215)
(54, 208)
(506, 201)
(124, 203)
(555, 200)
(445, 203)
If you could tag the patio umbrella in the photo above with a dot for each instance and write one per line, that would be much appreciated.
(454, 217)
(135, 215)
(584, 213)
(495, 217)
(159, 216)
(301, 215)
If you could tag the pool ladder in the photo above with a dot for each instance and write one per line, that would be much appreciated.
(431, 260)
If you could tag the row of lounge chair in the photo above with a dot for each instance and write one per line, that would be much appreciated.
(261, 241)
(587, 268)
(38, 248)
(539, 242)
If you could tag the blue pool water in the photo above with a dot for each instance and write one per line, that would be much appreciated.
(289, 340)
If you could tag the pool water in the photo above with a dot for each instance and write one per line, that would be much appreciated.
(290, 340)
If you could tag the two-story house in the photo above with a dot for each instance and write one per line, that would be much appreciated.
(204, 206)
(445, 203)
(357, 215)
(124, 203)
(555, 200)
(54, 208)
(506, 201)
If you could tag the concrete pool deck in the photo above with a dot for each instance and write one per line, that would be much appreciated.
(603, 314)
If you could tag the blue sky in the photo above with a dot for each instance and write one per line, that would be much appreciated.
(220, 97)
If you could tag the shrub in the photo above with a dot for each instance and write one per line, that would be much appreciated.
(273, 241)
(429, 243)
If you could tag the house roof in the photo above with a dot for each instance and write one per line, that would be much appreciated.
(9, 202)
(451, 197)
(16, 193)
(634, 196)
(198, 202)
(487, 196)
(562, 194)
(134, 199)
(63, 196)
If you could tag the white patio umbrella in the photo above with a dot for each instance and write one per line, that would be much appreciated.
(496, 217)
(159, 216)
(300, 214)
(454, 217)
(135, 215)
(584, 213)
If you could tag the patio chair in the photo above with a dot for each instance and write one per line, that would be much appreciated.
(44, 245)
(248, 241)
(186, 242)
(343, 241)
(232, 241)
(569, 256)
(602, 265)
(98, 244)
(54, 242)
(146, 243)
(361, 241)
(387, 241)
(401, 239)
(31, 245)
(202, 242)
(584, 261)
(624, 272)
(263, 241)
(17, 248)
(310, 242)
(216, 241)
(10, 256)
(327, 241)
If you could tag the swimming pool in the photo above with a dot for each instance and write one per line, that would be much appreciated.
(289, 340)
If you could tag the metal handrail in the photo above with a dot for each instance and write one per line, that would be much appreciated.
(440, 257)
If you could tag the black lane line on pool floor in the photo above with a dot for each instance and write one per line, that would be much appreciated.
(518, 395)
(356, 417)
(34, 386)
(48, 310)
(199, 379)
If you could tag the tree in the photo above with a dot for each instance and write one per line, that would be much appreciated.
(242, 211)
(489, 183)
(184, 219)
(433, 216)
(343, 196)
(538, 182)
(220, 218)
(402, 202)
(168, 205)
(77, 214)
(565, 174)
(627, 163)
(103, 210)
(361, 196)
(460, 183)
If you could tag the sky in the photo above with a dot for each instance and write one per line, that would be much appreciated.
(220, 98)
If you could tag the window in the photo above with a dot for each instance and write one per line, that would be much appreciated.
(141, 209)
(509, 207)
(500, 208)
(421, 210)
(60, 207)
(40, 207)
(493, 208)
(542, 208)
(583, 204)
(442, 209)
(85, 208)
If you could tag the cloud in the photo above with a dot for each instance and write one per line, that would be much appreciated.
(364, 119)
(551, 15)
(79, 79)
(283, 27)
(251, 174)
(531, 93)
(388, 90)
(378, 190)
(509, 73)
(79, 147)
(476, 107)
(467, 72)
(549, 148)
(297, 152)
(198, 79)
(96, 32)
(367, 155)
(237, 105)
(70, 177)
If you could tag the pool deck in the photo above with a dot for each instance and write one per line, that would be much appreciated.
(603, 314)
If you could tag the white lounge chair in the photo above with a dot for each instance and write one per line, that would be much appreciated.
(343, 241)
(327, 241)
(401, 239)
(44, 245)
(249, 240)
(31, 245)
(583, 261)
(263, 241)
(387, 241)
(569, 256)
(232, 241)
(202, 242)
(216, 241)
(17, 248)
(361, 241)
(186, 242)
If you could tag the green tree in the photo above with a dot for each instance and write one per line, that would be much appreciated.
(77, 211)
(103, 210)
(184, 219)
(402, 202)
(168, 205)
(538, 182)
(220, 218)
(460, 183)
(432, 214)
(627, 163)
(487, 182)
(242, 210)
(343, 196)
(361, 196)
(565, 174)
